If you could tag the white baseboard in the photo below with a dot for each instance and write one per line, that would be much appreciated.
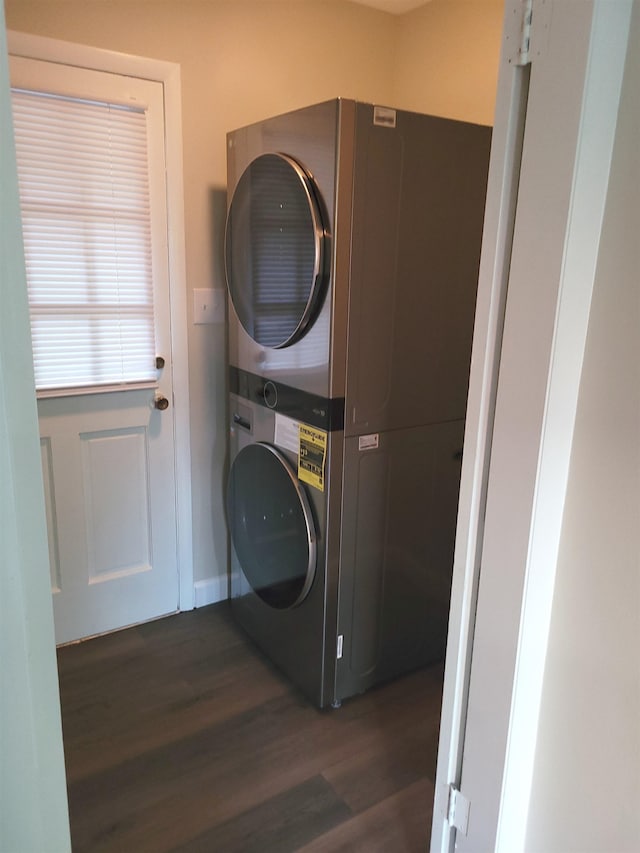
(210, 590)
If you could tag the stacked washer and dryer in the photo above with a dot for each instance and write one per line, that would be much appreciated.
(352, 250)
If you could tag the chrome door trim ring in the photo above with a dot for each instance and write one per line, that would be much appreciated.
(312, 542)
(320, 234)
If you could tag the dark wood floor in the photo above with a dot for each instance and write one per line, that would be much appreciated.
(180, 736)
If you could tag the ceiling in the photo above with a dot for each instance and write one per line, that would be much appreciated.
(396, 7)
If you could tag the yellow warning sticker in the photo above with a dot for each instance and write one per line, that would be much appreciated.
(312, 455)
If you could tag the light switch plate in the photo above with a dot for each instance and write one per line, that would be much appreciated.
(208, 305)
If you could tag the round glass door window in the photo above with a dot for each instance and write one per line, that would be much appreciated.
(275, 251)
(271, 526)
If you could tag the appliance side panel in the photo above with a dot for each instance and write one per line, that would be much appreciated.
(400, 502)
(419, 191)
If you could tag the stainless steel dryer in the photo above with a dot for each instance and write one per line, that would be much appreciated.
(352, 251)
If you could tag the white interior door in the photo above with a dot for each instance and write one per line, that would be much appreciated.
(108, 451)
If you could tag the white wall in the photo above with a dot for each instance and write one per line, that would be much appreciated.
(33, 801)
(586, 791)
(243, 60)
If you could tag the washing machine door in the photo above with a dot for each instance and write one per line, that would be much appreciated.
(271, 525)
(275, 250)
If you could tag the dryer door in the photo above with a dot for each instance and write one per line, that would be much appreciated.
(271, 526)
(275, 251)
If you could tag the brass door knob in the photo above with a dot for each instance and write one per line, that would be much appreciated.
(161, 403)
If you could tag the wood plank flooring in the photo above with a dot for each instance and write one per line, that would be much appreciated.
(180, 736)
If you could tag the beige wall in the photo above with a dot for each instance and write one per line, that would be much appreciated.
(243, 60)
(447, 59)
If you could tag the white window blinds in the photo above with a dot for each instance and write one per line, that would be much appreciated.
(84, 193)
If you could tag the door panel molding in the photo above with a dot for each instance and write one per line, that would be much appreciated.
(112, 508)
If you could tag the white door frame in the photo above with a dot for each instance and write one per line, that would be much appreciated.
(168, 74)
(33, 793)
(517, 447)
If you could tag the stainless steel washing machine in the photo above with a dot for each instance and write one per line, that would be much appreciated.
(352, 252)
(280, 578)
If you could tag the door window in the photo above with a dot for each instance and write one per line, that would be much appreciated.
(84, 194)
(271, 526)
(91, 169)
(275, 251)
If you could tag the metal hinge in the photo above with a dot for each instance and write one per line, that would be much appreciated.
(519, 32)
(524, 49)
(527, 29)
(458, 810)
